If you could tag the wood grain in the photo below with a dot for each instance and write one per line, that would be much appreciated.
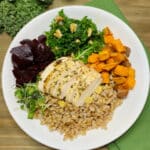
(11, 136)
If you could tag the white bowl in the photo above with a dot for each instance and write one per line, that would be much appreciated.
(124, 116)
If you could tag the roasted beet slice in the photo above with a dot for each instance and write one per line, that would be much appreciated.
(44, 64)
(42, 38)
(22, 56)
(27, 42)
(26, 75)
(43, 53)
(30, 58)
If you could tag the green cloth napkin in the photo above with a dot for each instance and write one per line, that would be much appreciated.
(138, 136)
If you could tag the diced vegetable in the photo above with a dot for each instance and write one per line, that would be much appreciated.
(107, 31)
(104, 55)
(109, 66)
(105, 77)
(118, 57)
(108, 39)
(121, 71)
(119, 80)
(100, 66)
(130, 83)
(131, 72)
(93, 58)
(110, 60)
(117, 44)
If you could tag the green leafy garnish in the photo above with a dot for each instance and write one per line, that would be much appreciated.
(14, 14)
(30, 98)
(80, 42)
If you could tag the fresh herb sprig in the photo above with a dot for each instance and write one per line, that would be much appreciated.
(87, 50)
(30, 98)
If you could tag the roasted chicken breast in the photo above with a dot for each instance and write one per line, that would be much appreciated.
(69, 80)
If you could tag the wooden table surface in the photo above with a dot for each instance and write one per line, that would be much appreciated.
(11, 136)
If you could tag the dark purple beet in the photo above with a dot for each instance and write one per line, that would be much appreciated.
(44, 64)
(28, 42)
(22, 56)
(30, 58)
(42, 53)
(42, 38)
(35, 43)
(26, 75)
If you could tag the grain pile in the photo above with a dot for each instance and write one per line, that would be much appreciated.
(72, 121)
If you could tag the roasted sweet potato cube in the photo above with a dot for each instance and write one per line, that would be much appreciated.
(104, 55)
(100, 66)
(108, 39)
(118, 57)
(110, 66)
(121, 71)
(105, 77)
(107, 31)
(93, 58)
(130, 83)
(118, 46)
(110, 60)
(108, 49)
(94, 66)
(131, 72)
(119, 80)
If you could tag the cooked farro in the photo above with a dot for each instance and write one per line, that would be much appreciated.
(72, 121)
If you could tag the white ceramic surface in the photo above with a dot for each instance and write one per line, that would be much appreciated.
(124, 116)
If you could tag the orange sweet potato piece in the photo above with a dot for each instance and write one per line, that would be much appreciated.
(104, 55)
(121, 92)
(113, 54)
(105, 77)
(93, 58)
(118, 57)
(108, 49)
(131, 72)
(100, 66)
(119, 80)
(107, 31)
(110, 66)
(110, 60)
(121, 71)
(129, 84)
(118, 46)
(94, 66)
(108, 39)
